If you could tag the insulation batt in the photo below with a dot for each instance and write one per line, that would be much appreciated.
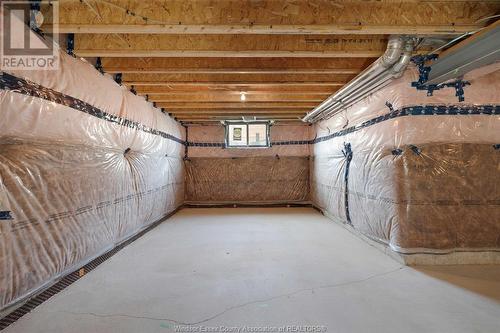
(418, 183)
(248, 175)
(72, 184)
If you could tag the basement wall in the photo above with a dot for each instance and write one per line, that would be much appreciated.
(215, 174)
(419, 174)
(84, 165)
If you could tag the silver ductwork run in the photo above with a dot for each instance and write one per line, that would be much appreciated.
(472, 53)
(379, 74)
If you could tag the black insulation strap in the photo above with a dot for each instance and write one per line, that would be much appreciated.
(290, 143)
(186, 146)
(419, 110)
(21, 86)
(206, 144)
(70, 44)
(5, 215)
(347, 151)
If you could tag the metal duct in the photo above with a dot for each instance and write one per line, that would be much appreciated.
(390, 65)
(482, 49)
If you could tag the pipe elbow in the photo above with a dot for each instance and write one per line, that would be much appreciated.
(393, 52)
(399, 67)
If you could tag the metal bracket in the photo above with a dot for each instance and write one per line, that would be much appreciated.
(34, 8)
(70, 44)
(423, 70)
(118, 78)
(98, 65)
(389, 105)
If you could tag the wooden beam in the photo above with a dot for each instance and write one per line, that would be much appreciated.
(229, 46)
(198, 64)
(86, 53)
(214, 78)
(235, 97)
(275, 16)
(233, 111)
(317, 29)
(236, 105)
(234, 71)
(239, 116)
(235, 85)
(219, 119)
(253, 89)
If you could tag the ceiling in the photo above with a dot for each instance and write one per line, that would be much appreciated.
(195, 58)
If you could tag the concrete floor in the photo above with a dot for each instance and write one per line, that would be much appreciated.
(266, 268)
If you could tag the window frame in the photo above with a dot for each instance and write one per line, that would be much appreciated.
(247, 124)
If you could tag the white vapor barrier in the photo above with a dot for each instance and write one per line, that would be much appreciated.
(84, 165)
(422, 177)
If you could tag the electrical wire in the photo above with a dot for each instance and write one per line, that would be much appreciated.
(487, 18)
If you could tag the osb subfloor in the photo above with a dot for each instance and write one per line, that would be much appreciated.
(265, 268)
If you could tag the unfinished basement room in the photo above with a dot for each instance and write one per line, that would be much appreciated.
(249, 166)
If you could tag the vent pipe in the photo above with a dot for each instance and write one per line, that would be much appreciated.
(379, 74)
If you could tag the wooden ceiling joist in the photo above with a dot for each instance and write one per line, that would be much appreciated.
(326, 29)
(134, 53)
(121, 65)
(236, 112)
(235, 97)
(216, 120)
(232, 88)
(236, 85)
(316, 46)
(235, 105)
(235, 71)
(202, 78)
(223, 117)
(273, 16)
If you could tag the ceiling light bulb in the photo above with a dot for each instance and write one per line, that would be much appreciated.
(243, 97)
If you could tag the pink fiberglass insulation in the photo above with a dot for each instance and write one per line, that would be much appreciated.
(418, 173)
(84, 164)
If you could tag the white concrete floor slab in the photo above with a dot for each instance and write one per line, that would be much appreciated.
(259, 269)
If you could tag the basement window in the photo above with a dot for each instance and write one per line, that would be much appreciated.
(247, 134)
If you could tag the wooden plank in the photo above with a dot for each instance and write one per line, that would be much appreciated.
(255, 89)
(238, 111)
(236, 105)
(235, 85)
(220, 54)
(245, 64)
(235, 97)
(235, 112)
(229, 46)
(239, 116)
(317, 29)
(201, 78)
(235, 71)
(190, 16)
(219, 119)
